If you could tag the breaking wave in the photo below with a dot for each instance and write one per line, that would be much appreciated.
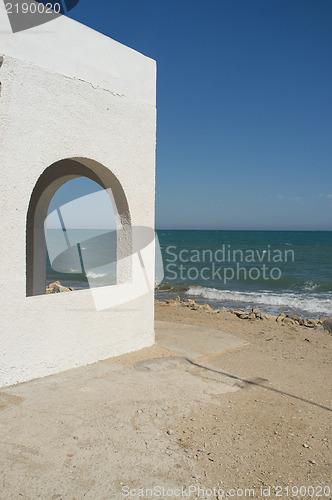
(306, 303)
(93, 275)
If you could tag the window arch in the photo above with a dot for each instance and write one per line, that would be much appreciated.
(48, 183)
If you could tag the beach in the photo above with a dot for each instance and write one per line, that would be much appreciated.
(255, 417)
(276, 430)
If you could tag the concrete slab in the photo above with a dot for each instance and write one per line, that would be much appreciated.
(195, 342)
(89, 431)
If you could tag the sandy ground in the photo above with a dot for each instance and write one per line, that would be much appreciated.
(277, 429)
(254, 417)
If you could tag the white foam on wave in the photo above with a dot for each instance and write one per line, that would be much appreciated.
(93, 275)
(309, 285)
(288, 300)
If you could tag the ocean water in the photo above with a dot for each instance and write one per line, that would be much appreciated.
(81, 258)
(226, 269)
(277, 271)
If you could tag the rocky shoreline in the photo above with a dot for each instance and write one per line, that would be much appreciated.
(323, 323)
(56, 287)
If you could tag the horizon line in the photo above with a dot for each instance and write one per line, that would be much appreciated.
(200, 229)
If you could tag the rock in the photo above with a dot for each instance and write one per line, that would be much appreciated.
(52, 285)
(176, 298)
(241, 313)
(253, 314)
(59, 289)
(56, 287)
(288, 321)
(309, 323)
(171, 302)
(297, 320)
(270, 316)
(201, 307)
(281, 317)
(256, 314)
(294, 317)
(238, 311)
(327, 324)
(188, 302)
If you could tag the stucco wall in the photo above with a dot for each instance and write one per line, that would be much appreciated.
(49, 111)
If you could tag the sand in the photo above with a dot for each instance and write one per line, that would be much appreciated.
(254, 417)
(277, 429)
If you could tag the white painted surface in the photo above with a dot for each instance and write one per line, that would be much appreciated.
(74, 50)
(59, 99)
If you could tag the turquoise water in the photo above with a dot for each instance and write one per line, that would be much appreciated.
(81, 258)
(301, 265)
(288, 271)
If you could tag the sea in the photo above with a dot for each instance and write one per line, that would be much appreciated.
(276, 271)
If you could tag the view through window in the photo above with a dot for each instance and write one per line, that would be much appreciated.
(81, 236)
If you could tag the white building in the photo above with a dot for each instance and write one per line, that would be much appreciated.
(73, 103)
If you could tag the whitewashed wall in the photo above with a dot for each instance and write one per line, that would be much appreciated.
(69, 92)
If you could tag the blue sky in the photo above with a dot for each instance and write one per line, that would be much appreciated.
(244, 108)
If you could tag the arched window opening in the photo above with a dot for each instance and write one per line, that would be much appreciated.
(81, 237)
(78, 228)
